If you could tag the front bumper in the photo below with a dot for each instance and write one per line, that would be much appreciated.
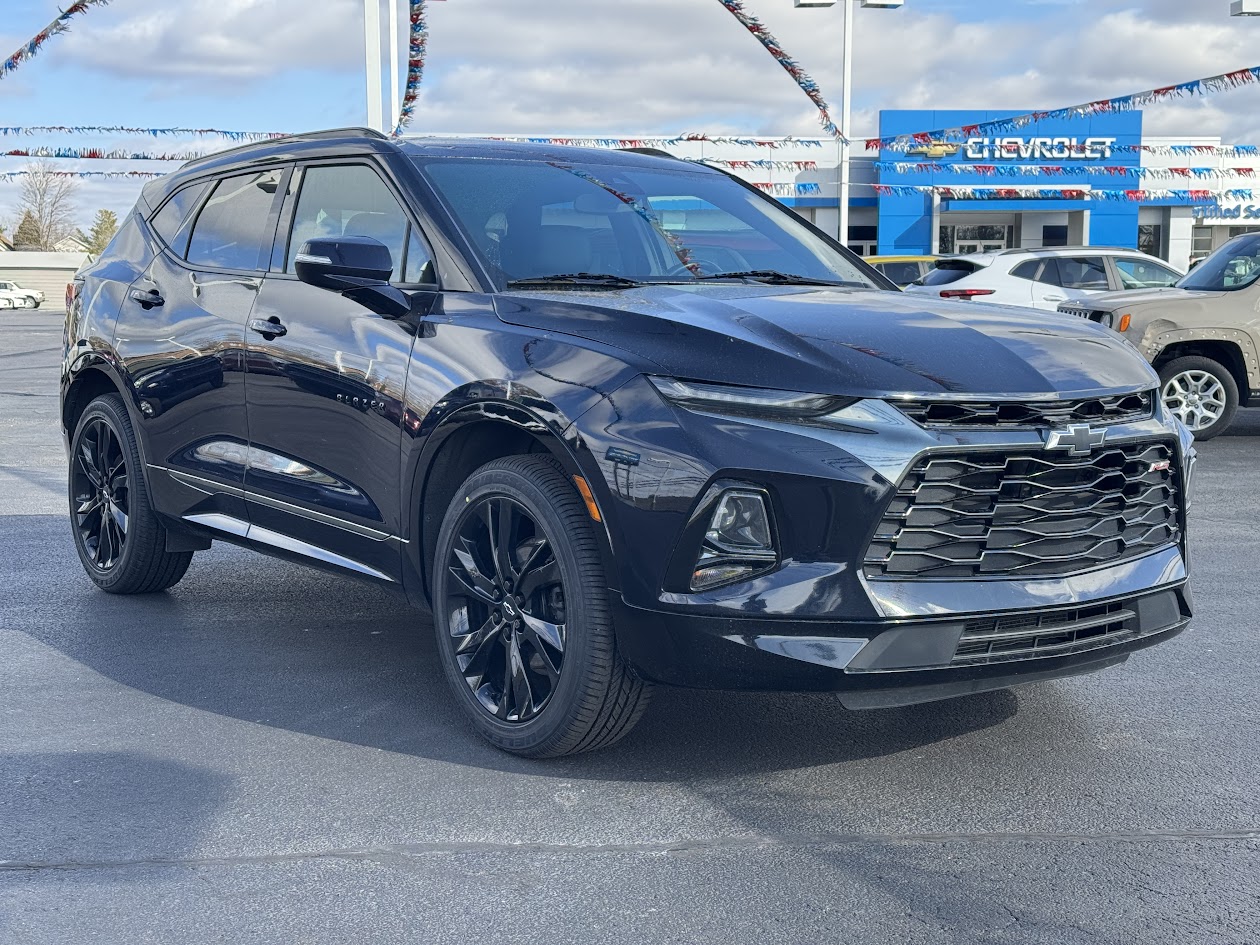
(877, 664)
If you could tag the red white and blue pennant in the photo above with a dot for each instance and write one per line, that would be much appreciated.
(61, 24)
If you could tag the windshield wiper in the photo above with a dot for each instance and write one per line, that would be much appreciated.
(583, 280)
(774, 277)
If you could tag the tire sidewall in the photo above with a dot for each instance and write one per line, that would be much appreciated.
(1188, 363)
(582, 620)
(109, 408)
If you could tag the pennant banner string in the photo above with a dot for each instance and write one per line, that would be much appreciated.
(1125, 103)
(14, 130)
(790, 65)
(1060, 170)
(1066, 193)
(417, 46)
(60, 25)
(109, 175)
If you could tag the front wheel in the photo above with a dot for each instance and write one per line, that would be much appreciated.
(1201, 393)
(120, 540)
(522, 615)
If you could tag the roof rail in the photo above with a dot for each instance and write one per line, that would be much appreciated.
(653, 152)
(300, 136)
(1060, 249)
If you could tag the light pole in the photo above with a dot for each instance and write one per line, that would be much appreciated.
(372, 41)
(846, 103)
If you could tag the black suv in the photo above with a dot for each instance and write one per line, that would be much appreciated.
(615, 419)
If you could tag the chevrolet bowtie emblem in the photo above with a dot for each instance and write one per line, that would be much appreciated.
(1078, 439)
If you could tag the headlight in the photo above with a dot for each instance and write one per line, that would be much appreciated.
(1107, 319)
(748, 401)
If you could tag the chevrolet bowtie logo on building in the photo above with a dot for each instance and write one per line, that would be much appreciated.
(935, 150)
(1078, 439)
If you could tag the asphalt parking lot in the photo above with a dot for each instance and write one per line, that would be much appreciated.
(269, 754)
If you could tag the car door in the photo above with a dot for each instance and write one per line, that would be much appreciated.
(326, 380)
(181, 336)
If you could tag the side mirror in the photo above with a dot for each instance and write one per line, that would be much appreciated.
(357, 267)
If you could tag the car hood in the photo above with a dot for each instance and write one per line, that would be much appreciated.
(852, 342)
(1114, 301)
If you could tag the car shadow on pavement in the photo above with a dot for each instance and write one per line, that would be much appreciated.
(281, 645)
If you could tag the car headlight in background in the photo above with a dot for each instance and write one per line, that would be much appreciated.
(748, 401)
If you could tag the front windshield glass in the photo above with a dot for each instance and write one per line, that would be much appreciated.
(532, 219)
(1235, 265)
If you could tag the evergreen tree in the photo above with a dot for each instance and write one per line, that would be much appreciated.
(104, 226)
(26, 236)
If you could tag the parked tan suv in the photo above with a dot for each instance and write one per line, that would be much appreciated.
(1202, 335)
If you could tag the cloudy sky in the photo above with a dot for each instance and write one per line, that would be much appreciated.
(606, 66)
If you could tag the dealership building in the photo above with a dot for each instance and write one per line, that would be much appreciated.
(1168, 201)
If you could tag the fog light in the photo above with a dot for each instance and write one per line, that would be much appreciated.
(739, 542)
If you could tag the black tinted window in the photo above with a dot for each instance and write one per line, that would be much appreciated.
(947, 272)
(230, 229)
(902, 273)
(1083, 272)
(172, 221)
(348, 200)
(1050, 272)
(1026, 270)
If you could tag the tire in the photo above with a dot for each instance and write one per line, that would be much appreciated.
(120, 540)
(1201, 393)
(569, 698)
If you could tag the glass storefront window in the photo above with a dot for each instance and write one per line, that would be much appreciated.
(1151, 239)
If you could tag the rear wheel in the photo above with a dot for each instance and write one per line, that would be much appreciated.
(119, 538)
(522, 615)
(1201, 393)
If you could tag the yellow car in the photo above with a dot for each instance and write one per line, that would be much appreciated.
(903, 269)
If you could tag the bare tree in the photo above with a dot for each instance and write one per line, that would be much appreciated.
(48, 203)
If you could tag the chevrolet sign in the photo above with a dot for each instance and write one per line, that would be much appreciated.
(1041, 149)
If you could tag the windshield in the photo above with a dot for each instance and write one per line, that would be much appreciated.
(531, 220)
(1235, 265)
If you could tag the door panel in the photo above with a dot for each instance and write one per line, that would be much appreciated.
(325, 413)
(326, 392)
(186, 361)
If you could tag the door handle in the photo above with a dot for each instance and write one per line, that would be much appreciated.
(268, 327)
(149, 299)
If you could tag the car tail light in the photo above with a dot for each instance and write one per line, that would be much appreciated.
(965, 293)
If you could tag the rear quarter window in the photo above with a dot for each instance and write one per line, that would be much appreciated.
(947, 271)
(172, 222)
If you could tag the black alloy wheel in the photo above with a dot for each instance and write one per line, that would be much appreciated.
(523, 617)
(506, 606)
(120, 539)
(101, 493)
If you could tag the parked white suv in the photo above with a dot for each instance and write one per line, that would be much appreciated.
(1044, 278)
(21, 298)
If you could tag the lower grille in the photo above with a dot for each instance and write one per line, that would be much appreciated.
(1027, 513)
(1057, 633)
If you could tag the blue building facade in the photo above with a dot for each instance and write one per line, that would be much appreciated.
(915, 223)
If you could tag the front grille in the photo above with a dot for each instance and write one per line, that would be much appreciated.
(1123, 408)
(1027, 513)
(1055, 633)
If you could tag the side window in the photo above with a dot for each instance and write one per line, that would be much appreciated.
(348, 200)
(171, 223)
(902, 273)
(230, 229)
(419, 263)
(1084, 272)
(1141, 274)
(1050, 272)
(1026, 270)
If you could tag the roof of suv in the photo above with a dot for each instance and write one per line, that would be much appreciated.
(339, 142)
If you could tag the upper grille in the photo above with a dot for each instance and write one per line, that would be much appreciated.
(1027, 513)
(1122, 408)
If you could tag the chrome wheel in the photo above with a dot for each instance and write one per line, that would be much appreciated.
(506, 609)
(102, 494)
(1196, 398)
